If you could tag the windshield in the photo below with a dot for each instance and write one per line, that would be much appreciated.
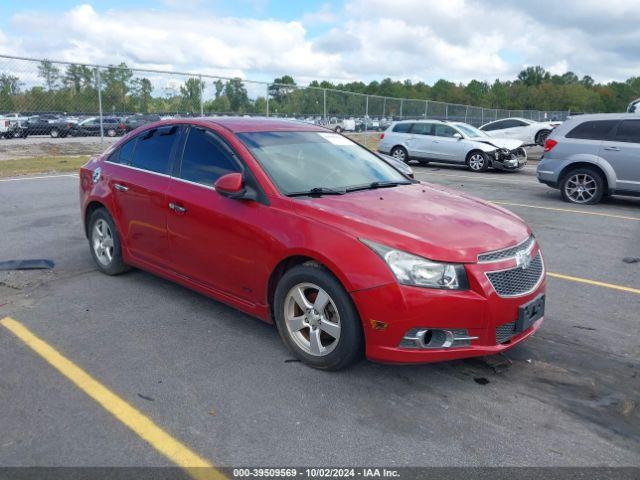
(470, 131)
(304, 161)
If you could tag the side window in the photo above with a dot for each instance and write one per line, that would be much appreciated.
(402, 127)
(594, 130)
(519, 123)
(444, 131)
(124, 153)
(628, 131)
(422, 128)
(493, 126)
(205, 159)
(153, 149)
(512, 123)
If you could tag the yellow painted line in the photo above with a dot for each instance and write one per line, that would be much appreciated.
(196, 466)
(594, 282)
(569, 210)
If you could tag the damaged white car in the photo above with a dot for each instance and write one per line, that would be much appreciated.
(451, 142)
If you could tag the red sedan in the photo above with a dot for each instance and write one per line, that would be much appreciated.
(302, 227)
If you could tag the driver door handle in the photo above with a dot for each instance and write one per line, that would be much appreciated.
(612, 149)
(177, 208)
(120, 188)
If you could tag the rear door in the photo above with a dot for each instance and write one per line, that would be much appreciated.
(622, 151)
(139, 179)
(421, 140)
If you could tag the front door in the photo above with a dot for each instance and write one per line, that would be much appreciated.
(446, 147)
(623, 153)
(212, 238)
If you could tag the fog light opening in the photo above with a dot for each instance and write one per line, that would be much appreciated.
(435, 338)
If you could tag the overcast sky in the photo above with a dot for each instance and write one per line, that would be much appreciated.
(351, 40)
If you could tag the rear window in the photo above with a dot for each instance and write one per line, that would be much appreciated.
(593, 130)
(628, 131)
(153, 151)
(402, 127)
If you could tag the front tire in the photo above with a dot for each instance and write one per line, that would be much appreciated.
(478, 162)
(583, 186)
(54, 133)
(316, 318)
(104, 243)
(400, 153)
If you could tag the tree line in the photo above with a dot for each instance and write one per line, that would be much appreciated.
(74, 89)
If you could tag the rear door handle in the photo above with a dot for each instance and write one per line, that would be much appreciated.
(177, 208)
(612, 149)
(120, 188)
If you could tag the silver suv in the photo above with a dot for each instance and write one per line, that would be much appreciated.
(590, 156)
(451, 142)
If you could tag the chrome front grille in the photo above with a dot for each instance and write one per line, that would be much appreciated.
(517, 281)
(505, 332)
(507, 252)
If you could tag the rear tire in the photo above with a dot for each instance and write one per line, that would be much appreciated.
(400, 153)
(54, 133)
(541, 137)
(104, 243)
(583, 186)
(111, 132)
(311, 309)
(478, 161)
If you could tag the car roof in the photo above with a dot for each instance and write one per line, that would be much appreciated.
(422, 120)
(605, 116)
(254, 124)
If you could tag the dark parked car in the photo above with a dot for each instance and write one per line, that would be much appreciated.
(112, 126)
(134, 121)
(48, 125)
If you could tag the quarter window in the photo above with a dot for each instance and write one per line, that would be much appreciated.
(205, 158)
(402, 127)
(628, 131)
(594, 130)
(153, 150)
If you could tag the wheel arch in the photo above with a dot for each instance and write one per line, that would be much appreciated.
(577, 165)
(292, 261)
(91, 207)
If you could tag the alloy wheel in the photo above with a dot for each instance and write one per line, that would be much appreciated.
(581, 188)
(399, 154)
(312, 319)
(476, 162)
(102, 239)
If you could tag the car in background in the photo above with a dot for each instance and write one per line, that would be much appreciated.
(48, 124)
(341, 125)
(634, 107)
(304, 228)
(527, 131)
(591, 156)
(451, 142)
(11, 125)
(111, 126)
(134, 121)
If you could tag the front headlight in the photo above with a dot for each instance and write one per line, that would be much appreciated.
(417, 271)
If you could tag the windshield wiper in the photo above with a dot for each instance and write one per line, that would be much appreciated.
(317, 191)
(378, 184)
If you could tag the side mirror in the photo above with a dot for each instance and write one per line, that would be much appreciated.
(457, 135)
(230, 185)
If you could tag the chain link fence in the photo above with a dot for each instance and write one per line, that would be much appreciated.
(62, 100)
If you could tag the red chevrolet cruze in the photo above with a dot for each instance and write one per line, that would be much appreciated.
(300, 226)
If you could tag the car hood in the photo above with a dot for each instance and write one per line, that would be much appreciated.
(427, 220)
(497, 142)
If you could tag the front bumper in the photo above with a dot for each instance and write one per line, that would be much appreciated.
(390, 311)
(509, 160)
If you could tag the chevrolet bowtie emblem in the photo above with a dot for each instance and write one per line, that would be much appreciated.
(523, 260)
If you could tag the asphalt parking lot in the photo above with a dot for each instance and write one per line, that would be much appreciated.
(224, 386)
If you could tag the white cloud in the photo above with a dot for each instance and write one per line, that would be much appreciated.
(367, 39)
